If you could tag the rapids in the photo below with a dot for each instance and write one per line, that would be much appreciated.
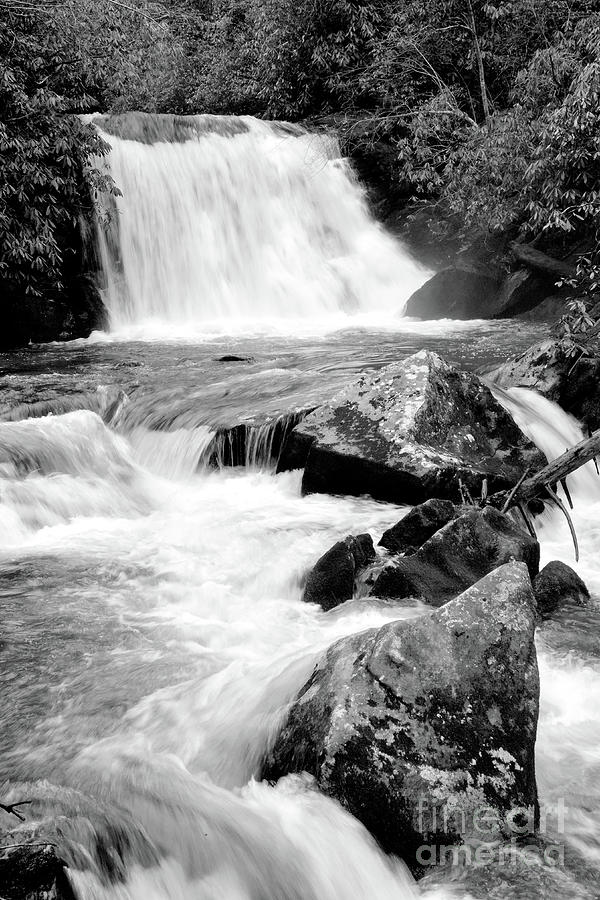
(152, 630)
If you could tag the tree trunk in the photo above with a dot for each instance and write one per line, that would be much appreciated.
(535, 259)
(480, 69)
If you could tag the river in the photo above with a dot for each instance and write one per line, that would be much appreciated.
(151, 624)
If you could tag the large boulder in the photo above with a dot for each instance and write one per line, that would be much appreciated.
(570, 381)
(465, 292)
(418, 525)
(333, 578)
(457, 556)
(521, 292)
(410, 432)
(418, 725)
(470, 292)
(33, 872)
(556, 586)
(548, 310)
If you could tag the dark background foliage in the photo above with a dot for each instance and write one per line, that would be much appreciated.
(485, 116)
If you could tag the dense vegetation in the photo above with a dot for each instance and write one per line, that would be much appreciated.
(485, 113)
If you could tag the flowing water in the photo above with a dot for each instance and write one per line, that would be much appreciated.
(263, 226)
(151, 627)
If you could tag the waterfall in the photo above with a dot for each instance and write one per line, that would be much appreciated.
(240, 223)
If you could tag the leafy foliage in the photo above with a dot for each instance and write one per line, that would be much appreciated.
(487, 110)
(46, 182)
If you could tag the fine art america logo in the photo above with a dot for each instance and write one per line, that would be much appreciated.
(479, 836)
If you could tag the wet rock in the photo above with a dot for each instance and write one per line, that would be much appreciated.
(33, 873)
(572, 382)
(558, 585)
(415, 726)
(418, 525)
(457, 556)
(333, 578)
(521, 292)
(150, 128)
(455, 293)
(410, 432)
(549, 310)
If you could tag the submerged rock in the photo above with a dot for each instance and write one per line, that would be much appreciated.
(457, 556)
(558, 585)
(333, 578)
(522, 869)
(410, 432)
(418, 525)
(33, 872)
(416, 726)
(455, 293)
(570, 381)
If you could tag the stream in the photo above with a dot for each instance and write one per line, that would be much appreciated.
(151, 627)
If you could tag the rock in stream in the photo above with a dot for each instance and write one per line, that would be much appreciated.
(415, 726)
(408, 433)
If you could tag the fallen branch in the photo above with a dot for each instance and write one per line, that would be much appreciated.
(554, 498)
(510, 497)
(543, 485)
(551, 475)
(11, 808)
(535, 259)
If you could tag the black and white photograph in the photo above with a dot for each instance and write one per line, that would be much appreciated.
(299, 450)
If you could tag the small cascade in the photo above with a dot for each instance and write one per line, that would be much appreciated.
(173, 454)
(230, 223)
(255, 446)
(76, 443)
(58, 467)
(107, 401)
(181, 452)
(552, 430)
(201, 842)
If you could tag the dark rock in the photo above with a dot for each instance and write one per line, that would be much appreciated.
(522, 291)
(572, 382)
(333, 578)
(152, 128)
(557, 585)
(539, 261)
(457, 556)
(418, 525)
(74, 310)
(455, 293)
(33, 873)
(230, 357)
(548, 310)
(435, 714)
(410, 432)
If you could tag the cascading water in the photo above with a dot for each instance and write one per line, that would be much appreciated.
(173, 637)
(241, 229)
(568, 742)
